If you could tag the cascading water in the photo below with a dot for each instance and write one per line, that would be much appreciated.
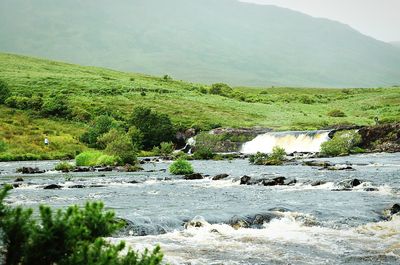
(291, 141)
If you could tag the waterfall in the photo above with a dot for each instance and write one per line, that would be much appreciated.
(291, 141)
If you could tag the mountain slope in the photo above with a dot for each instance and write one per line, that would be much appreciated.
(91, 91)
(199, 40)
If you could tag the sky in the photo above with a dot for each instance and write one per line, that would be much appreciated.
(379, 19)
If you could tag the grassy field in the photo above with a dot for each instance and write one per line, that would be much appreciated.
(91, 91)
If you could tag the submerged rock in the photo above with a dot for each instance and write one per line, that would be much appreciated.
(83, 169)
(315, 163)
(220, 176)
(252, 221)
(318, 183)
(19, 179)
(193, 176)
(77, 186)
(52, 187)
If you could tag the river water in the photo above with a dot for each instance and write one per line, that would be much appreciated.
(306, 224)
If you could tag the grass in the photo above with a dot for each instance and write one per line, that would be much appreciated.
(91, 91)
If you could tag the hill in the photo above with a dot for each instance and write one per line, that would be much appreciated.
(203, 41)
(91, 91)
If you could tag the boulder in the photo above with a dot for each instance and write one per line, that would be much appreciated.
(52, 187)
(315, 163)
(318, 183)
(395, 209)
(19, 179)
(193, 176)
(220, 176)
(245, 180)
(274, 181)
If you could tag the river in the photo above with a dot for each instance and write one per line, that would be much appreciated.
(306, 224)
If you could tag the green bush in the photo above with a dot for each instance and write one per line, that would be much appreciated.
(181, 167)
(64, 166)
(56, 105)
(221, 89)
(203, 153)
(342, 143)
(336, 113)
(96, 158)
(277, 157)
(166, 149)
(136, 137)
(4, 91)
(122, 147)
(66, 237)
(101, 125)
(156, 128)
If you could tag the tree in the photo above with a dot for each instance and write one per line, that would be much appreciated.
(156, 127)
(4, 91)
(122, 147)
(101, 125)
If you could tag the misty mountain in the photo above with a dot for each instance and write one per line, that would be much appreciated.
(199, 40)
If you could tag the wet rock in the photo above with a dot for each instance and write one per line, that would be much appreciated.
(394, 209)
(355, 182)
(344, 189)
(315, 163)
(19, 179)
(193, 176)
(97, 186)
(252, 221)
(104, 169)
(220, 176)
(52, 187)
(83, 169)
(134, 182)
(30, 170)
(245, 180)
(274, 182)
(381, 137)
(16, 185)
(76, 187)
(371, 189)
(291, 182)
(318, 183)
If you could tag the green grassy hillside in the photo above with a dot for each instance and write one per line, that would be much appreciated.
(91, 91)
(204, 41)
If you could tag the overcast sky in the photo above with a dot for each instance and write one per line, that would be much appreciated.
(376, 18)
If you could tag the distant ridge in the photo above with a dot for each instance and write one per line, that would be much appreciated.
(200, 40)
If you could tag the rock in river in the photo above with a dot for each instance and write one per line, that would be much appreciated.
(220, 176)
(52, 187)
(193, 176)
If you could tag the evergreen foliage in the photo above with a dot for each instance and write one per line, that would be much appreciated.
(65, 237)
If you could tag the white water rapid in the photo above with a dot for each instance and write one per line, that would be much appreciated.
(291, 141)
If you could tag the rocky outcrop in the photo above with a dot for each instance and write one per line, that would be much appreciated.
(277, 181)
(30, 170)
(381, 138)
(52, 187)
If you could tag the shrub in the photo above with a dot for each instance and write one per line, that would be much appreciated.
(220, 89)
(336, 113)
(101, 125)
(136, 137)
(203, 153)
(64, 166)
(156, 128)
(342, 143)
(96, 158)
(4, 91)
(66, 237)
(56, 105)
(181, 167)
(166, 149)
(122, 147)
(277, 157)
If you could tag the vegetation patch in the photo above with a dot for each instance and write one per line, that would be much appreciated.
(73, 236)
(96, 158)
(277, 157)
(181, 167)
(342, 143)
